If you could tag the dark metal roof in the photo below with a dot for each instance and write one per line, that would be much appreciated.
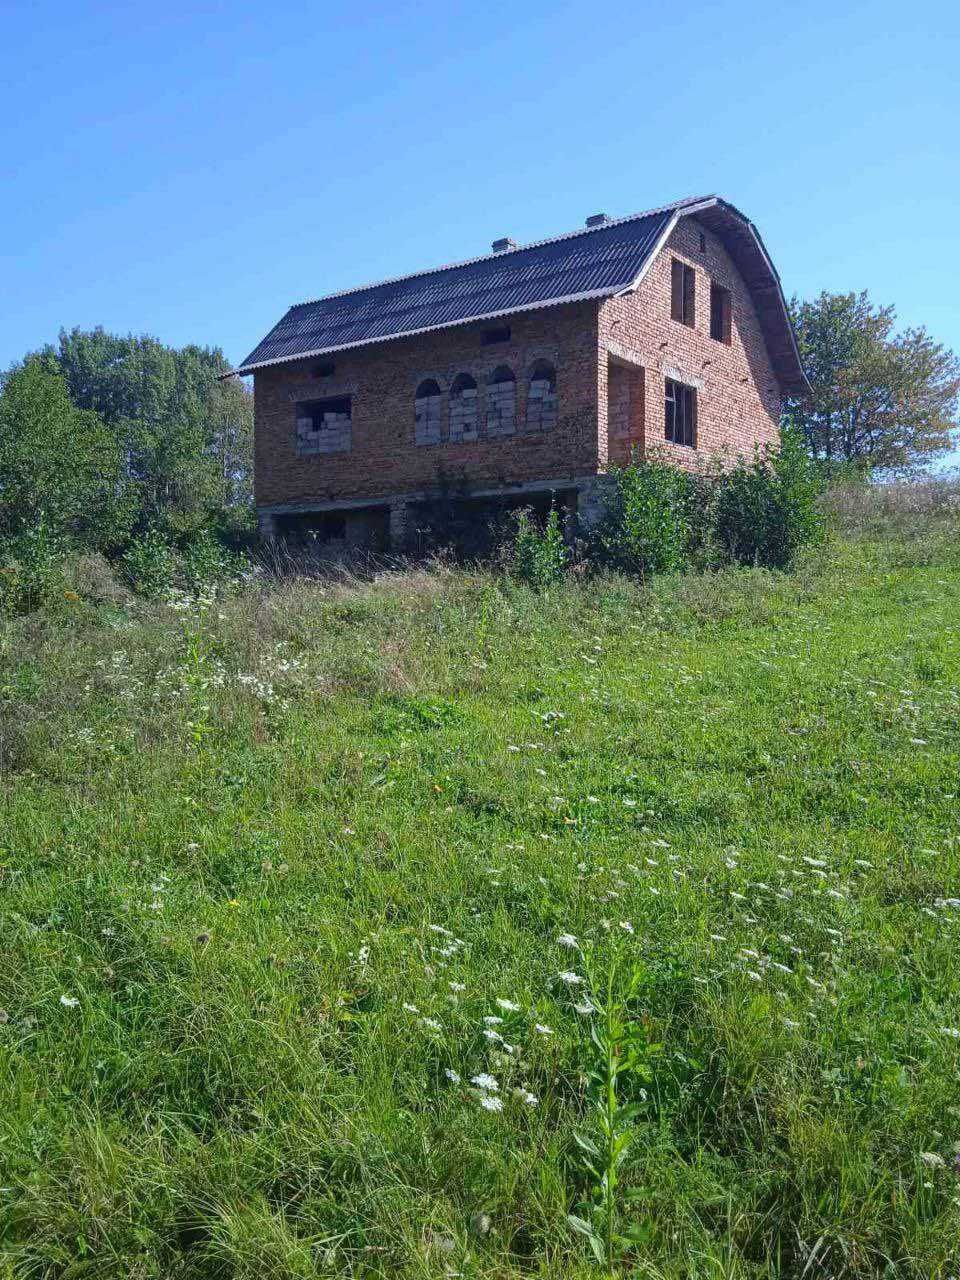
(591, 262)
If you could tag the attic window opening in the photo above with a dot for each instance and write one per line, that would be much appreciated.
(680, 414)
(720, 310)
(501, 333)
(683, 293)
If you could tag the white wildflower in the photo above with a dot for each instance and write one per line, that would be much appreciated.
(571, 979)
(69, 1002)
(486, 1081)
(491, 1104)
(543, 1029)
(932, 1160)
(526, 1096)
(567, 940)
(585, 1008)
(451, 1075)
(508, 1005)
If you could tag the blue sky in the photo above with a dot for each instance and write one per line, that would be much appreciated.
(190, 169)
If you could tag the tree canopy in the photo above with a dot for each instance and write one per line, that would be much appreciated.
(880, 399)
(58, 463)
(185, 436)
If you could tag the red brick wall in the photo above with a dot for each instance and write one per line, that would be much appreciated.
(382, 380)
(738, 398)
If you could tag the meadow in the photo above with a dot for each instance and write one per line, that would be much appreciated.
(427, 926)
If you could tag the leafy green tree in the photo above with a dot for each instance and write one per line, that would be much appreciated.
(879, 399)
(59, 465)
(184, 434)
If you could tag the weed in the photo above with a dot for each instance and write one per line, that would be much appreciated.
(539, 555)
(617, 1072)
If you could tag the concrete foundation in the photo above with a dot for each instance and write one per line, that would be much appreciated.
(394, 523)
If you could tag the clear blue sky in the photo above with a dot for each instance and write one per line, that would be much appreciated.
(190, 168)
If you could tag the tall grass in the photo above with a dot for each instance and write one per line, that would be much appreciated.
(289, 877)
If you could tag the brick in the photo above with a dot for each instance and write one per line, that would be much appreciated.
(610, 358)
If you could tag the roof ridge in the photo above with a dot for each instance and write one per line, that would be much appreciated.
(505, 253)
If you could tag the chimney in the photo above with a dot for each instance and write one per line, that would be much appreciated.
(597, 219)
(501, 246)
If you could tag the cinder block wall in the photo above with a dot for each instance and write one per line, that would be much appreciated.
(738, 396)
(382, 380)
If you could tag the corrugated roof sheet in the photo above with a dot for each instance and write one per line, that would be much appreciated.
(591, 262)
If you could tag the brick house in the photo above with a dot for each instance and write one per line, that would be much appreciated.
(521, 376)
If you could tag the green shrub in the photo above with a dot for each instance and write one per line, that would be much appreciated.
(206, 560)
(149, 564)
(765, 511)
(538, 555)
(32, 569)
(645, 526)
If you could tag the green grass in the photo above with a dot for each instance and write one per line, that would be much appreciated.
(223, 898)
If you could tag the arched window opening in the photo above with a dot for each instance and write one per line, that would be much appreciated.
(542, 397)
(501, 402)
(428, 412)
(464, 408)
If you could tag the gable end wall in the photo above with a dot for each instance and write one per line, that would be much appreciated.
(738, 396)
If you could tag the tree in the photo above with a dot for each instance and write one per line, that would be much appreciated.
(879, 399)
(58, 463)
(185, 436)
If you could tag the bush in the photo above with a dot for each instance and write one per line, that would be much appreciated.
(538, 555)
(645, 526)
(32, 572)
(149, 564)
(765, 511)
(206, 560)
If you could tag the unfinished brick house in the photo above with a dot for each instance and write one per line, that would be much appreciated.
(521, 376)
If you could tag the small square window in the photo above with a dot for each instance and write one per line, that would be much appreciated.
(489, 337)
(720, 312)
(683, 293)
(680, 414)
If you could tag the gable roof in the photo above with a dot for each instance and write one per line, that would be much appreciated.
(593, 262)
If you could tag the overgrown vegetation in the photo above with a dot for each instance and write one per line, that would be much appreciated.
(125, 448)
(658, 519)
(646, 525)
(376, 928)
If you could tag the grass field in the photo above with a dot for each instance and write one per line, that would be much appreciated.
(272, 869)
